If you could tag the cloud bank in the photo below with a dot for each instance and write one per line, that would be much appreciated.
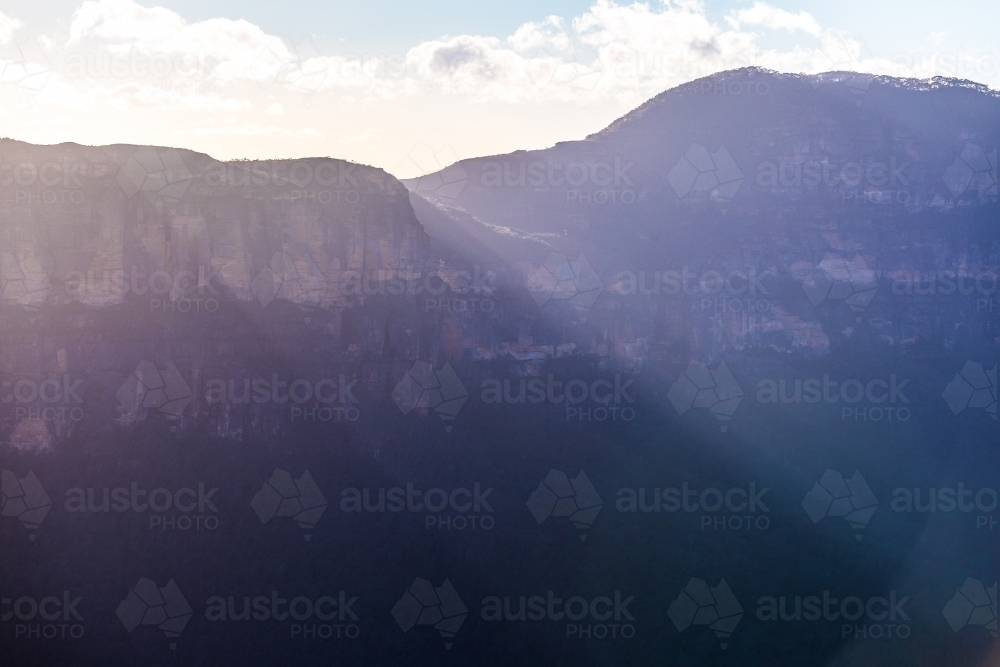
(234, 79)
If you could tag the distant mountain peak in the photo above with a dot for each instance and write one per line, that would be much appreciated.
(759, 81)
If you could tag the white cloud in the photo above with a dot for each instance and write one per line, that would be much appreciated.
(369, 135)
(256, 131)
(628, 52)
(7, 27)
(121, 39)
(622, 52)
(937, 38)
(548, 35)
(763, 14)
(124, 70)
(159, 43)
(133, 95)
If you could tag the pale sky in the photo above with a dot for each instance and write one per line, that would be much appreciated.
(411, 87)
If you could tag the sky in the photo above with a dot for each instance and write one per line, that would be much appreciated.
(413, 86)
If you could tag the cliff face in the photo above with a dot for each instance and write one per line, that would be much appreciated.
(91, 225)
(717, 342)
(114, 257)
(715, 217)
(741, 216)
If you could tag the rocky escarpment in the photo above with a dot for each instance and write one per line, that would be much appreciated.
(751, 210)
(229, 380)
(119, 258)
(91, 225)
